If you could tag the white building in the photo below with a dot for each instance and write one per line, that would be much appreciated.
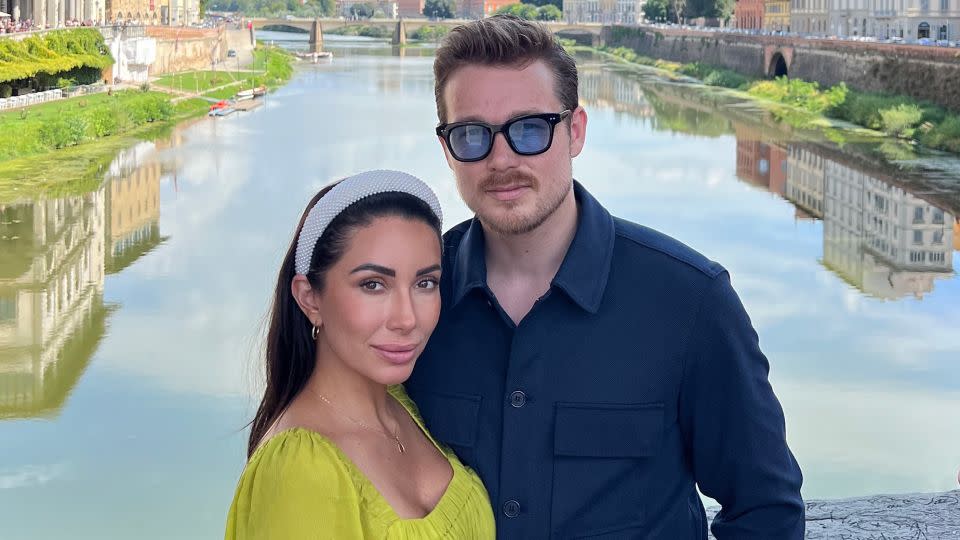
(809, 16)
(603, 11)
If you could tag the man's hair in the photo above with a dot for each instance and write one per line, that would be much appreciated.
(504, 40)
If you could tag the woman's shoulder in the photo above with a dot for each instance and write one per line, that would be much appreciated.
(299, 456)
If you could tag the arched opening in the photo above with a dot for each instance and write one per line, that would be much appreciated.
(778, 66)
(923, 30)
(942, 34)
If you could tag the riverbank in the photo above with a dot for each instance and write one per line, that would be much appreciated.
(805, 105)
(888, 517)
(73, 140)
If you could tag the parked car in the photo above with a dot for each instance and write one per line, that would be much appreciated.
(231, 53)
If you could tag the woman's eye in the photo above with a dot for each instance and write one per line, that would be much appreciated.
(372, 285)
(428, 284)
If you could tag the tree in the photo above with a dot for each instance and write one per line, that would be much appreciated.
(549, 12)
(541, 3)
(361, 11)
(443, 9)
(655, 10)
(524, 11)
(677, 7)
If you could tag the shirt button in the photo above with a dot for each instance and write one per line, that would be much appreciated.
(511, 508)
(518, 399)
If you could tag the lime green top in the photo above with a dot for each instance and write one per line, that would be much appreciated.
(300, 485)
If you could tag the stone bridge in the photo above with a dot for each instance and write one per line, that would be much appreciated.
(583, 32)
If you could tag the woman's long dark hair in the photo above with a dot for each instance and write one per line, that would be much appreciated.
(290, 350)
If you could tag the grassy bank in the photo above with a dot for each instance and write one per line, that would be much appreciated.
(804, 104)
(63, 147)
(79, 169)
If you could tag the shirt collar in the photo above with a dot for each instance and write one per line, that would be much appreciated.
(583, 272)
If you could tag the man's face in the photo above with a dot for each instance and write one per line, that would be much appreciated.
(511, 193)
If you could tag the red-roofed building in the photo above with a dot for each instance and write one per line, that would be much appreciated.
(748, 14)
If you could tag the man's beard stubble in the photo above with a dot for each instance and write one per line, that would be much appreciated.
(509, 225)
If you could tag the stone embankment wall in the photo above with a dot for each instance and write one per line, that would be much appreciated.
(185, 49)
(921, 72)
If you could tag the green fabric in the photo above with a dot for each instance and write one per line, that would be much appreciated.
(299, 485)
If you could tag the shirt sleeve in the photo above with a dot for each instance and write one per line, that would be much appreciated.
(733, 425)
(294, 489)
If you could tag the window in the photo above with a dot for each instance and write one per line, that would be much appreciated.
(918, 215)
(938, 216)
(8, 307)
(938, 237)
(918, 237)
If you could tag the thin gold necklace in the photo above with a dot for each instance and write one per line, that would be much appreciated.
(395, 436)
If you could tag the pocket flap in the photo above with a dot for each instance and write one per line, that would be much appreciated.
(612, 430)
(451, 418)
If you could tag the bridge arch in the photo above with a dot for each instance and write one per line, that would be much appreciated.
(279, 27)
(778, 66)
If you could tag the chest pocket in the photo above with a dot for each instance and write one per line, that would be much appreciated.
(451, 418)
(608, 430)
(601, 461)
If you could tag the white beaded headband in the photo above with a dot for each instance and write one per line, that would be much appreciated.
(349, 191)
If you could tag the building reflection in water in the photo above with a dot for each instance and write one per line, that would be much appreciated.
(877, 235)
(599, 89)
(55, 255)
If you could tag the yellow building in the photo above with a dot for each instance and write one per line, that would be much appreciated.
(776, 15)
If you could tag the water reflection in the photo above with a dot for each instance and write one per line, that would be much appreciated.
(879, 235)
(56, 254)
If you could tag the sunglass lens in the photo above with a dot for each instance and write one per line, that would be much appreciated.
(530, 135)
(469, 142)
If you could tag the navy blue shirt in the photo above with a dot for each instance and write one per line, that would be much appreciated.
(634, 379)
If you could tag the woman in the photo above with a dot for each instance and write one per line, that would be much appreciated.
(337, 449)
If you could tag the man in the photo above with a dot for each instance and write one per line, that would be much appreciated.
(592, 371)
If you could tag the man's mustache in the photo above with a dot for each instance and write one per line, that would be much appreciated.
(508, 179)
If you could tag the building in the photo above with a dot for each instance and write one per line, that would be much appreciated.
(154, 12)
(409, 8)
(603, 11)
(473, 9)
(133, 207)
(848, 17)
(810, 16)
(53, 13)
(748, 14)
(776, 15)
(933, 19)
(57, 13)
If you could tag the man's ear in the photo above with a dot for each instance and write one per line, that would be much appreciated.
(307, 298)
(578, 131)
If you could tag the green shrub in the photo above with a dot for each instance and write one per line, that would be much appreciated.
(63, 132)
(6, 90)
(945, 135)
(725, 78)
(103, 122)
(798, 93)
(901, 120)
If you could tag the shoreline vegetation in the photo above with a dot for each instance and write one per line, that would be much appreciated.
(73, 140)
(806, 105)
(424, 33)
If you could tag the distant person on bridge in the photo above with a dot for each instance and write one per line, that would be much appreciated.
(594, 372)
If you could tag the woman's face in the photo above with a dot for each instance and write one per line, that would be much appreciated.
(381, 300)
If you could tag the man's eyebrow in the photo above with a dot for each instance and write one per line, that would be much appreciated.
(514, 114)
(375, 268)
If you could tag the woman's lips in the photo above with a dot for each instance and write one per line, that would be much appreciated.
(396, 354)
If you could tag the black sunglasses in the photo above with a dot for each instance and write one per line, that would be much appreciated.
(527, 135)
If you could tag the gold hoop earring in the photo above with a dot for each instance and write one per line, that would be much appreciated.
(315, 332)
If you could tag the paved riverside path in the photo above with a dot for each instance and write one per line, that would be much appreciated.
(922, 516)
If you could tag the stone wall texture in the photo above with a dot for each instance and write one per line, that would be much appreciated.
(190, 50)
(925, 73)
